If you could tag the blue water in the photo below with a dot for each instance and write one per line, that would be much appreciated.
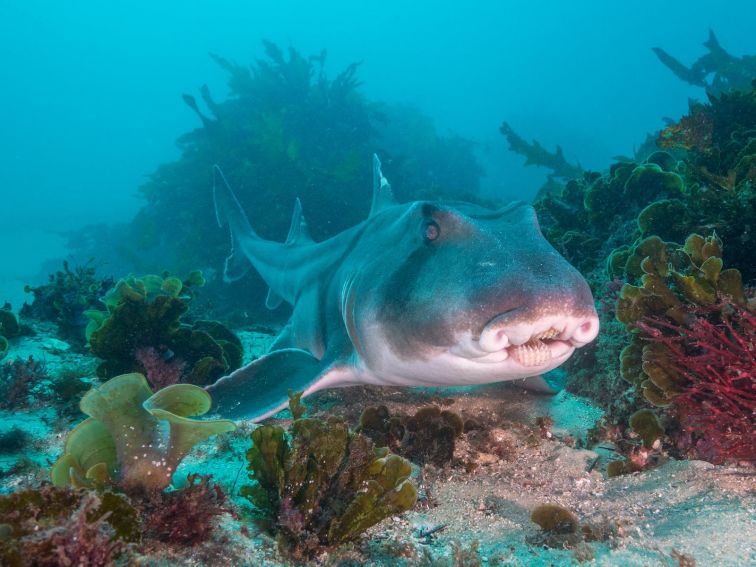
(91, 98)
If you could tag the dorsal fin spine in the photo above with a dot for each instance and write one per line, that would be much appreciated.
(228, 210)
(382, 195)
(298, 231)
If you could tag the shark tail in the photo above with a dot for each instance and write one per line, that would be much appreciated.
(228, 211)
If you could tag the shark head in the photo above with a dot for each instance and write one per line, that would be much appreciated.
(462, 294)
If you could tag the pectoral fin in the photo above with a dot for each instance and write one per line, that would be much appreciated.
(236, 267)
(273, 300)
(540, 384)
(261, 388)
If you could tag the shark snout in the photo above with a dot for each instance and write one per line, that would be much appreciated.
(536, 339)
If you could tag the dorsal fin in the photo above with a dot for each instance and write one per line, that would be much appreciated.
(298, 234)
(228, 211)
(382, 195)
(298, 231)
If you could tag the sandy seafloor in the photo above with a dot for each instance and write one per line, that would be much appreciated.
(681, 513)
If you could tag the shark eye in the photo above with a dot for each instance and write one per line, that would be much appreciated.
(432, 231)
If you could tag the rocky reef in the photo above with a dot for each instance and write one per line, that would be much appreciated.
(667, 245)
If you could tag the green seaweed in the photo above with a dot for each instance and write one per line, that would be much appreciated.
(322, 484)
(554, 518)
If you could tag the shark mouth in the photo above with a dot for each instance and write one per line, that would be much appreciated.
(535, 344)
(537, 351)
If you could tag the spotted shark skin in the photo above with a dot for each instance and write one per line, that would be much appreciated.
(419, 294)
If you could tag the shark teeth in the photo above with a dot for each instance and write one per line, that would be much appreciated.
(533, 353)
(548, 334)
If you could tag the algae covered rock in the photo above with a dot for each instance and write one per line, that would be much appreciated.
(428, 436)
(64, 299)
(142, 331)
(322, 484)
(646, 425)
(674, 281)
(9, 328)
(37, 523)
(134, 438)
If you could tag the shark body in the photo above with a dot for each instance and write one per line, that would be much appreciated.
(419, 294)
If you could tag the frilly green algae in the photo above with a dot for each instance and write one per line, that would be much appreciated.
(554, 518)
(123, 442)
(649, 182)
(322, 484)
(667, 218)
(645, 423)
(671, 275)
(141, 331)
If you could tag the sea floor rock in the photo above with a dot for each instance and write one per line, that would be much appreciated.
(681, 511)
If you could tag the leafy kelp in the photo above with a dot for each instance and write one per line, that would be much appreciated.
(727, 71)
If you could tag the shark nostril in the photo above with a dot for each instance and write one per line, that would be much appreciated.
(492, 339)
(586, 331)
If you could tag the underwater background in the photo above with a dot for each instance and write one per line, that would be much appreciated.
(631, 127)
